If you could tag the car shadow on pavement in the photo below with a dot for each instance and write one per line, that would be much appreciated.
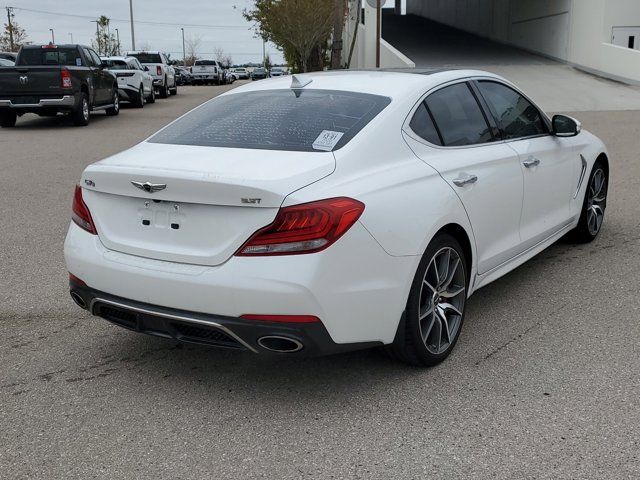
(34, 122)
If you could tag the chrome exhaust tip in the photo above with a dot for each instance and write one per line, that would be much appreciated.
(275, 343)
(78, 300)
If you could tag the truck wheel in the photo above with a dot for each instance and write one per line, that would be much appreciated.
(8, 119)
(174, 90)
(152, 97)
(139, 101)
(115, 110)
(164, 90)
(80, 115)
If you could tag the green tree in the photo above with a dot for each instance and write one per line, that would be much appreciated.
(300, 28)
(19, 37)
(105, 42)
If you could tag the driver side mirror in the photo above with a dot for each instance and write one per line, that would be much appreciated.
(564, 126)
(146, 69)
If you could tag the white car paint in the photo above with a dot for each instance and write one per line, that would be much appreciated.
(358, 287)
(163, 74)
(131, 75)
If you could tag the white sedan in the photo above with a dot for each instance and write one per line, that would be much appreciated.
(328, 212)
(135, 84)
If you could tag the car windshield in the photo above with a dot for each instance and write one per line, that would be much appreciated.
(147, 57)
(49, 56)
(115, 64)
(303, 120)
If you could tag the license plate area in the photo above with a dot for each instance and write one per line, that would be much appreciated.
(161, 214)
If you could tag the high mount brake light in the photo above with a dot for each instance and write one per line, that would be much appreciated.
(81, 215)
(306, 228)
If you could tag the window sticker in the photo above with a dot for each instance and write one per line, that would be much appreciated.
(327, 140)
(78, 62)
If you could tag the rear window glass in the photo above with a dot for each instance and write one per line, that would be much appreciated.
(49, 56)
(303, 120)
(147, 57)
(116, 64)
(205, 62)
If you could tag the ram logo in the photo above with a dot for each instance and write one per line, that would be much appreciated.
(254, 201)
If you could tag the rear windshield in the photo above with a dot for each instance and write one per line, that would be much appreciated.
(116, 64)
(147, 57)
(50, 56)
(303, 120)
(205, 62)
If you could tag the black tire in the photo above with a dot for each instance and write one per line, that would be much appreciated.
(80, 115)
(595, 202)
(115, 110)
(174, 90)
(409, 345)
(152, 97)
(8, 119)
(164, 90)
(139, 100)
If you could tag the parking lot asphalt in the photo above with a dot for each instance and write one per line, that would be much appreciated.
(544, 382)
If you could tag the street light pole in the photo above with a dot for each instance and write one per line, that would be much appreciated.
(378, 33)
(118, 39)
(53, 37)
(9, 15)
(71, 36)
(133, 35)
(184, 52)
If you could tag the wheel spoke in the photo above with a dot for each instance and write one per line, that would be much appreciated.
(442, 267)
(451, 293)
(445, 321)
(426, 329)
(448, 307)
(426, 313)
(452, 272)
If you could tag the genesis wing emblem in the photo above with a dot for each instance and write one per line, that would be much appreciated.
(149, 187)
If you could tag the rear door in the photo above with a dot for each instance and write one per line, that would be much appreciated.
(94, 78)
(450, 132)
(548, 163)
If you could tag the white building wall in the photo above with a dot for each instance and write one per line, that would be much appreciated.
(576, 31)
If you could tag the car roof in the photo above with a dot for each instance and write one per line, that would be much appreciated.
(154, 52)
(391, 83)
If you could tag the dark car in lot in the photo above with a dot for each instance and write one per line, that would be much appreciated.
(183, 76)
(259, 74)
(52, 79)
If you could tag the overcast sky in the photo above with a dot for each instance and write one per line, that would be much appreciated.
(216, 21)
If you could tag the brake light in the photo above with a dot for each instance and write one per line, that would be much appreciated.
(81, 215)
(65, 78)
(282, 318)
(49, 45)
(158, 70)
(306, 228)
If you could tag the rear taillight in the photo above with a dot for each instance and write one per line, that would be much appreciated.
(305, 228)
(80, 212)
(158, 70)
(65, 78)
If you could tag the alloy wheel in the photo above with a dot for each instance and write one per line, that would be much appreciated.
(442, 298)
(596, 200)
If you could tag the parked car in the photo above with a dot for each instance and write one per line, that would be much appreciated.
(6, 63)
(259, 73)
(229, 76)
(277, 72)
(363, 213)
(183, 76)
(9, 56)
(241, 73)
(164, 75)
(49, 79)
(135, 85)
(207, 72)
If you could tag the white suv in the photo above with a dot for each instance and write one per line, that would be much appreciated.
(164, 75)
(135, 85)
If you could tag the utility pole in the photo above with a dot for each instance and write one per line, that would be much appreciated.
(378, 33)
(9, 17)
(133, 35)
(118, 38)
(338, 25)
(184, 52)
(264, 53)
(71, 36)
(53, 37)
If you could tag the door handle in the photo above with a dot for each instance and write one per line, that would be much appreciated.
(465, 179)
(531, 162)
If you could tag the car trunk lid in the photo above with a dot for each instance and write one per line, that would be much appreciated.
(207, 201)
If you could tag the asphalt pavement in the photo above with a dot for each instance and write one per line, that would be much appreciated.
(544, 382)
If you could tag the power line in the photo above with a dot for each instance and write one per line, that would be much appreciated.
(161, 24)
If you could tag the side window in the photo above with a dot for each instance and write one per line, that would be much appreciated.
(88, 58)
(422, 124)
(95, 58)
(516, 116)
(458, 116)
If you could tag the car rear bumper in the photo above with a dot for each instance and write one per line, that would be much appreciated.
(354, 287)
(306, 339)
(65, 101)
